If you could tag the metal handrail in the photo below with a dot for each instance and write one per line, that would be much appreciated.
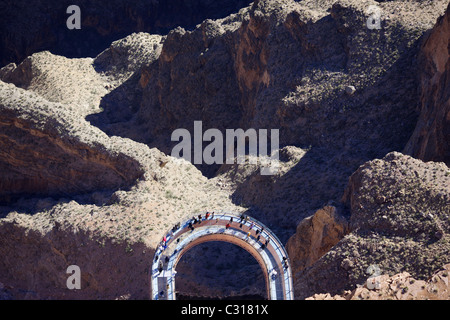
(277, 244)
(277, 241)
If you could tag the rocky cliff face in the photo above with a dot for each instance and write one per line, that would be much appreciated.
(286, 65)
(29, 27)
(82, 180)
(398, 222)
(79, 163)
(72, 194)
(431, 138)
(401, 286)
(233, 70)
(37, 263)
(315, 236)
(417, 222)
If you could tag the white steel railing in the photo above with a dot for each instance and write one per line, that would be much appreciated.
(266, 233)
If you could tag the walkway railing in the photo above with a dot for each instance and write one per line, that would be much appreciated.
(266, 233)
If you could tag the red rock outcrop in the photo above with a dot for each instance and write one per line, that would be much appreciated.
(315, 236)
(43, 156)
(431, 138)
(399, 208)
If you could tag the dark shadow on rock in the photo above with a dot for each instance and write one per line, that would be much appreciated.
(338, 143)
(119, 108)
(340, 136)
(218, 270)
(36, 264)
(32, 203)
(45, 164)
(41, 25)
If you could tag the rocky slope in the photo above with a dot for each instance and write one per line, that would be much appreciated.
(428, 142)
(399, 208)
(431, 138)
(86, 178)
(398, 287)
(42, 115)
(48, 155)
(286, 64)
(73, 195)
(29, 27)
(315, 236)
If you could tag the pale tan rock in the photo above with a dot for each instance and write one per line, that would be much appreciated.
(315, 236)
(400, 287)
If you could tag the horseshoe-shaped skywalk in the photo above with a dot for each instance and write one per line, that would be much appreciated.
(243, 231)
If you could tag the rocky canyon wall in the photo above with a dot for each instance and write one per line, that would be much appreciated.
(29, 27)
(431, 138)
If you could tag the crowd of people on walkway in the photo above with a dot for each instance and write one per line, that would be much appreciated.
(197, 220)
(244, 220)
(253, 230)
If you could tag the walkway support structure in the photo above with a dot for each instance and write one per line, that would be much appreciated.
(243, 231)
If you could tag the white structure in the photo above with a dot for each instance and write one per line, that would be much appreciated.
(267, 250)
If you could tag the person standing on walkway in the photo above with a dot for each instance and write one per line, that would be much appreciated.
(273, 274)
(285, 264)
(264, 245)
